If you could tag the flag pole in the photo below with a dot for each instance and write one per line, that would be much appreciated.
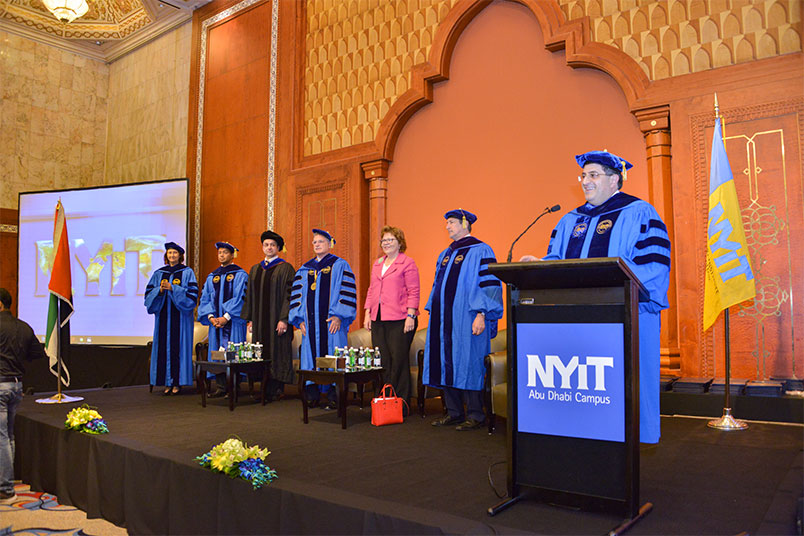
(58, 356)
(60, 332)
(726, 421)
(59, 397)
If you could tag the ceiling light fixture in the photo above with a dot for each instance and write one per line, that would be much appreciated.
(67, 10)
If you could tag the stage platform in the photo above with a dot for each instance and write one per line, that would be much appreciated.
(402, 479)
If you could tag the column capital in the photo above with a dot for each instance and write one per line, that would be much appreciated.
(655, 118)
(375, 169)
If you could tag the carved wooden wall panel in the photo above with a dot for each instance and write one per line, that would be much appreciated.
(230, 156)
(321, 206)
(764, 144)
(9, 245)
(674, 37)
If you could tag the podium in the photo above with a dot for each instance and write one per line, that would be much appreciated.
(573, 384)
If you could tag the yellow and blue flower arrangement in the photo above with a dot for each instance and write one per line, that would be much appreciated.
(236, 459)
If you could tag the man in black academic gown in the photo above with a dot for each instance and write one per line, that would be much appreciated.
(266, 309)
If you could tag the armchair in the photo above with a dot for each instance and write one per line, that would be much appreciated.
(497, 379)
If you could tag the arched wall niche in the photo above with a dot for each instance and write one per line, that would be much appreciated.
(596, 105)
(571, 37)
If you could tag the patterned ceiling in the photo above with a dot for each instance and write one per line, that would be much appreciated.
(110, 28)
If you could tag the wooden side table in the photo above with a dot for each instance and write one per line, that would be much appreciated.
(341, 378)
(232, 369)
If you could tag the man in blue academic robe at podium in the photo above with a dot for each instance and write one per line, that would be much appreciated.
(323, 304)
(221, 304)
(465, 304)
(614, 224)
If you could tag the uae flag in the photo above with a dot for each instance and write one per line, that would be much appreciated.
(61, 297)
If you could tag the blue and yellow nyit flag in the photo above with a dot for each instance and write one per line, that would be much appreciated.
(729, 278)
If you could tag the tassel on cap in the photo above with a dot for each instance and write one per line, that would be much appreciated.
(604, 158)
(326, 235)
(465, 216)
(227, 245)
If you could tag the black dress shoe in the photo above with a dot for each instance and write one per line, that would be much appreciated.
(331, 404)
(220, 393)
(469, 424)
(446, 420)
(314, 403)
(166, 392)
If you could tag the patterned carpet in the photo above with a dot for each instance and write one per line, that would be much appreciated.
(35, 513)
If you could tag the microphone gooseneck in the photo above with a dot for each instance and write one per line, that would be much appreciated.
(548, 210)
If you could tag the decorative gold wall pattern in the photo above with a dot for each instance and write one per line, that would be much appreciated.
(673, 37)
(359, 57)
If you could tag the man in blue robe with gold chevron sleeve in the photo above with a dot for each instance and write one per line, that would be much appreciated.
(221, 304)
(465, 304)
(323, 304)
(615, 224)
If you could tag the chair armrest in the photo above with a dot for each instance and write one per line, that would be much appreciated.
(498, 367)
(201, 351)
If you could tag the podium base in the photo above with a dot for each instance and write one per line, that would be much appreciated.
(508, 501)
(727, 422)
(59, 398)
(628, 523)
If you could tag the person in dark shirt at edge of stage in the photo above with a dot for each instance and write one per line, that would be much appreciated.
(17, 344)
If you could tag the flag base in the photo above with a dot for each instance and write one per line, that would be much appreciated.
(59, 398)
(727, 422)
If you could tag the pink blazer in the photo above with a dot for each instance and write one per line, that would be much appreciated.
(396, 291)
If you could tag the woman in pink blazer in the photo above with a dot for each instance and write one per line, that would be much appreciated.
(392, 307)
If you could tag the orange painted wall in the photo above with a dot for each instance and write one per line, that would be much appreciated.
(533, 114)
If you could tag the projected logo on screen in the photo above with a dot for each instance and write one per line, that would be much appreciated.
(570, 380)
(92, 266)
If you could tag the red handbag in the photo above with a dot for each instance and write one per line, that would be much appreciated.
(387, 408)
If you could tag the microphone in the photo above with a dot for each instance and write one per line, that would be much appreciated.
(548, 210)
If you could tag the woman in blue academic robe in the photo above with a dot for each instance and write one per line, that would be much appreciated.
(171, 296)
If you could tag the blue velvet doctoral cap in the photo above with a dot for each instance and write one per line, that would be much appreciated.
(174, 245)
(460, 214)
(325, 235)
(604, 158)
(226, 245)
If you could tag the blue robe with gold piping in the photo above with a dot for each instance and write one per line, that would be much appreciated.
(463, 287)
(172, 351)
(224, 291)
(322, 289)
(627, 227)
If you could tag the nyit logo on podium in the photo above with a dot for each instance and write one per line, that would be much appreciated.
(542, 373)
(570, 380)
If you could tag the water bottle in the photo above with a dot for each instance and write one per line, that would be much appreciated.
(377, 360)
